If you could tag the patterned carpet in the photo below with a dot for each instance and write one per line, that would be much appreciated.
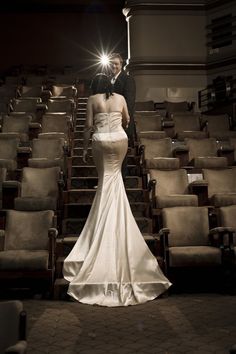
(191, 323)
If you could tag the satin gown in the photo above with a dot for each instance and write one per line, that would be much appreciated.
(110, 264)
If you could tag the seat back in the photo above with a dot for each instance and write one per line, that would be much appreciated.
(60, 105)
(172, 107)
(145, 106)
(24, 105)
(201, 147)
(157, 148)
(8, 148)
(40, 182)
(47, 148)
(148, 123)
(186, 122)
(10, 323)
(31, 91)
(217, 122)
(68, 91)
(57, 123)
(14, 124)
(189, 226)
(170, 182)
(220, 181)
(27, 230)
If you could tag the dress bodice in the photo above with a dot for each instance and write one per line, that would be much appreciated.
(108, 122)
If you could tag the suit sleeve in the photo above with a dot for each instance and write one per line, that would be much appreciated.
(129, 94)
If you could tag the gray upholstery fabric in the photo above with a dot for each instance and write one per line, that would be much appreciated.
(144, 106)
(189, 226)
(166, 163)
(68, 91)
(144, 123)
(35, 203)
(46, 163)
(210, 162)
(191, 134)
(157, 148)
(173, 107)
(223, 199)
(8, 149)
(232, 142)
(9, 324)
(21, 259)
(60, 105)
(47, 148)
(223, 135)
(27, 230)
(172, 200)
(16, 125)
(170, 182)
(194, 256)
(56, 123)
(152, 134)
(220, 181)
(201, 148)
(218, 126)
(10, 165)
(40, 182)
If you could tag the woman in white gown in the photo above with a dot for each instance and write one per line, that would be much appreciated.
(110, 264)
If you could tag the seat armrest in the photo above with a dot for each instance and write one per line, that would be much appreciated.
(164, 232)
(52, 235)
(24, 150)
(19, 348)
(180, 149)
(168, 123)
(41, 106)
(2, 239)
(222, 237)
(199, 183)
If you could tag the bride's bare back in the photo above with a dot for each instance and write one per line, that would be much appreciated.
(100, 104)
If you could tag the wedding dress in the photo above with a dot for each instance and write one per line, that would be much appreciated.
(110, 264)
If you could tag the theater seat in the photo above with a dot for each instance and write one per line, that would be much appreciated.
(13, 327)
(221, 186)
(28, 248)
(187, 240)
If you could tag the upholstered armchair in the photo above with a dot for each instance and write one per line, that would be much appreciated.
(13, 327)
(149, 125)
(219, 126)
(16, 127)
(28, 248)
(48, 153)
(221, 186)
(189, 244)
(8, 153)
(41, 189)
(188, 125)
(203, 153)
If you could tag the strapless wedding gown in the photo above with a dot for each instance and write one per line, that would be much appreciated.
(110, 264)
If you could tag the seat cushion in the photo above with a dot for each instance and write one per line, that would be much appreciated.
(194, 256)
(10, 165)
(223, 199)
(210, 162)
(165, 163)
(34, 204)
(23, 259)
(45, 163)
(191, 134)
(174, 200)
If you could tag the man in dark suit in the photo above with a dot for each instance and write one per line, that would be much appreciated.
(124, 84)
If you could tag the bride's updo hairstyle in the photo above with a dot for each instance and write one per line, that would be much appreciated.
(102, 84)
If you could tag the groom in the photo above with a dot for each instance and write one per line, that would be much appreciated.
(125, 86)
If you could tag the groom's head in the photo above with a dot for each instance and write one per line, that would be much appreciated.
(116, 61)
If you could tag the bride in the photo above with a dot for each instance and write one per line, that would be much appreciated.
(110, 264)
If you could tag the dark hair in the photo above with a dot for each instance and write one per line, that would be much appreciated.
(102, 84)
(116, 55)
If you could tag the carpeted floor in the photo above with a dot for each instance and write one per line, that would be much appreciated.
(190, 323)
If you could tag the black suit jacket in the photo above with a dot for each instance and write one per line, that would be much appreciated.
(125, 86)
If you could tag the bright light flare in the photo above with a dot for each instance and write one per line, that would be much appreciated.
(104, 60)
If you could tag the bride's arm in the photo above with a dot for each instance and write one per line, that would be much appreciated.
(88, 127)
(125, 115)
